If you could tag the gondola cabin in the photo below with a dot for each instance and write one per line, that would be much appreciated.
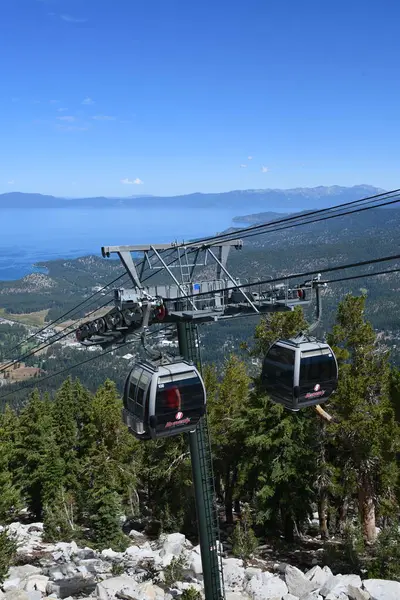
(163, 400)
(299, 372)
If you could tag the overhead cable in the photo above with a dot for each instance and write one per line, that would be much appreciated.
(56, 337)
(297, 275)
(244, 230)
(72, 310)
(325, 218)
(387, 272)
(83, 362)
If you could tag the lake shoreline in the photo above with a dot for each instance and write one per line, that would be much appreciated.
(32, 237)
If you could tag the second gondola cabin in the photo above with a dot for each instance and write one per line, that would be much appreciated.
(163, 400)
(299, 372)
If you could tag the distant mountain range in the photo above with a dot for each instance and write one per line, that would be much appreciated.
(269, 200)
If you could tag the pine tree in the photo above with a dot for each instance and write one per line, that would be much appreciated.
(84, 418)
(69, 446)
(10, 498)
(65, 430)
(280, 325)
(35, 426)
(395, 391)
(279, 456)
(244, 541)
(326, 474)
(108, 469)
(56, 500)
(104, 503)
(366, 432)
(225, 406)
(166, 483)
(8, 551)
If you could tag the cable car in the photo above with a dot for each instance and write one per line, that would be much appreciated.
(299, 372)
(163, 400)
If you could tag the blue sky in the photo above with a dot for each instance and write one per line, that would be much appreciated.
(121, 97)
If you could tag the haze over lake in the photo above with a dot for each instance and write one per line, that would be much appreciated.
(32, 235)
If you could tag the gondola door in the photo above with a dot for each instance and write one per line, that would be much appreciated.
(179, 403)
(136, 401)
(317, 376)
(278, 374)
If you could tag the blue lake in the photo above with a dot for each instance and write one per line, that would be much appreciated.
(29, 236)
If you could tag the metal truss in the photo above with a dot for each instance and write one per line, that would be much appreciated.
(183, 293)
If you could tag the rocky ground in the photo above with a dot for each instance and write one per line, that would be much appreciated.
(144, 572)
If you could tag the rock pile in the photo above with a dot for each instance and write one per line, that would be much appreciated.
(145, 571)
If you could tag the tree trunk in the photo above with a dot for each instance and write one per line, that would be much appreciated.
(217, 483)
(288, 527)
(229, 485)
(342, 514)
(366, 507)
(323, 515)
(237, 507)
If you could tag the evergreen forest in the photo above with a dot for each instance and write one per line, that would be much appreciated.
(71, 461)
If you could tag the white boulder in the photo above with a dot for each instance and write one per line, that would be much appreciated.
(339, 584)
(297, 582)
(252, 572)
(380, 589)
(109, 553)
(66, 550)
(237, 596)
(195, 564)
(106, 590)
(318, 575)
(12, 583)
(357, 594)
(234, 573)
(315, 596)
(36, 582)
(136, 534)
(16, 594)
(266, 587)
(173, 543)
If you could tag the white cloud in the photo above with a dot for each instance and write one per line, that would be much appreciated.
(103, 118)
(264, 169)
(249, 158)
(71, 128)
(70, 19)
(68, 118)
(11, 182)
(88, 101)
(62, 109)
(243, 166)
(127, 181)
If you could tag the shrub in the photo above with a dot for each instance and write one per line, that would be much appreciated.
(117, 569)
(386, 556)
(150, 572)
(190, 594)
(353, 545)
(244, 541)
(175, 570)
(8, 551)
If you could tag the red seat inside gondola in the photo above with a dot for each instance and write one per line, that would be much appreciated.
(173, 399)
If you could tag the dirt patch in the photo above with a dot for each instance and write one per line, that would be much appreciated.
(34, 318)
